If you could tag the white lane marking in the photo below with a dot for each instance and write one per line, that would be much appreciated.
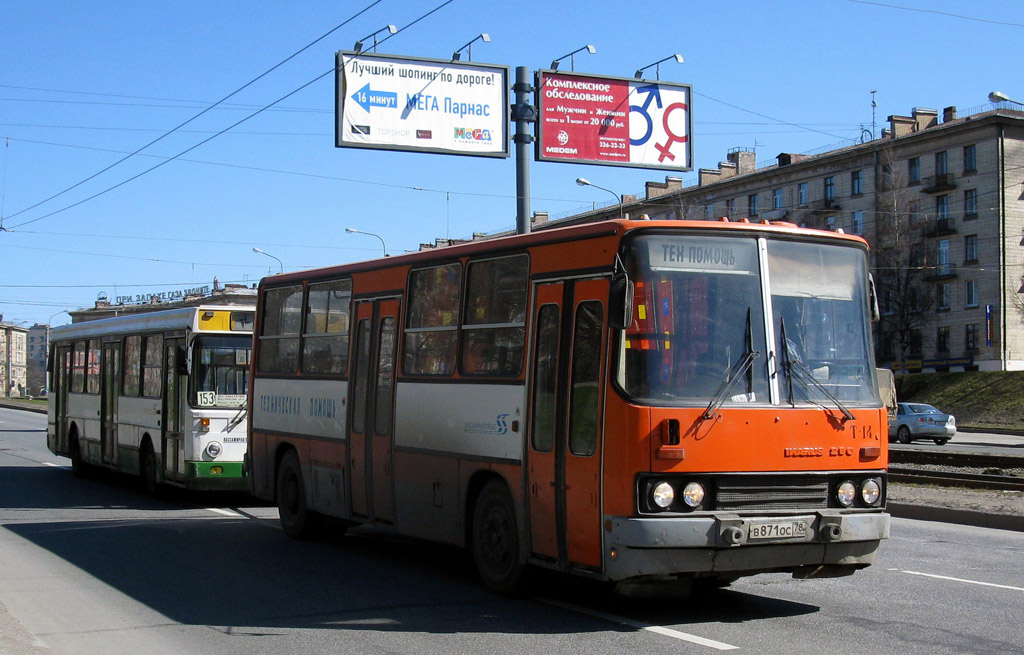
(225, 512)
(946, 577)
(668, 632)
(53, 465)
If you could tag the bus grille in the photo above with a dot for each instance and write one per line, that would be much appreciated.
(772, 493)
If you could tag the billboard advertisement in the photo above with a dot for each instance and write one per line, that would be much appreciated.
(422, 105)
(614, 121)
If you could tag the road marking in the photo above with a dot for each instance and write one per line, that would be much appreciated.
(225, 512)
(946, 577)
(668, 632)
(53, 465)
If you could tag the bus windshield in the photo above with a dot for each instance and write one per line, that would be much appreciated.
(697, 321)
(819, 305)
(220, 370)
(699, 325)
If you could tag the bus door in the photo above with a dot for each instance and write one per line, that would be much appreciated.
(110, 390)
(371, 407)
(564, 454)
(60, 381)
(175, 388)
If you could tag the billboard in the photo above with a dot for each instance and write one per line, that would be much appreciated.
(422, 105)
(616, 121)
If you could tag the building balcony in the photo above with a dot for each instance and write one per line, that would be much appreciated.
(826, 205)
(941, 272)
(939, 226)
(938, 183)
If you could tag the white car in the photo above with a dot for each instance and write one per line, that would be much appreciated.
(921, 421)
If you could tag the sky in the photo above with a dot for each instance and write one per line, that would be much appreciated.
(84, 84)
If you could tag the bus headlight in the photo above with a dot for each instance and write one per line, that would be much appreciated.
(214, 449)
(870, 491)
(693, 494)
(845, 493)
(663, 495)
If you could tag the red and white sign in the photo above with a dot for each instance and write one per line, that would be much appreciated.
(613, 121)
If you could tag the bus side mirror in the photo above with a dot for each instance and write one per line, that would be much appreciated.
(183, 361)
(873, 310)
(620, 302)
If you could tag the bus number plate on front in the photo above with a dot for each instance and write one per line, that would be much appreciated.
(778, 530)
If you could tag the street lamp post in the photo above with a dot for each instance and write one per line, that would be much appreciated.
(281, 265)
(572, 57)
(383, 245)
(997, 96)
(585, 182)
(657, 66)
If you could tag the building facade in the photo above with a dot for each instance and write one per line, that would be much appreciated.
(13, 370)
(38, 347)
(940, 199)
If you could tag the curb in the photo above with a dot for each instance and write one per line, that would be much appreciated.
(957, 516)
(22, 406)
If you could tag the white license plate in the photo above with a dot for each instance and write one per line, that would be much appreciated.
(778, 530)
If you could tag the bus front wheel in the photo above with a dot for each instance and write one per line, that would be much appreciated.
(495, 539)
(296, 519)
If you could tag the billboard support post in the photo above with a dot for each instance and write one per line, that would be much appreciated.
(524, 113)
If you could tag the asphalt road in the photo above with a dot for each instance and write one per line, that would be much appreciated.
(93, 566)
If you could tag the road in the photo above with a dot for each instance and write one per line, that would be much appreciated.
(987, 443)
(93, 566)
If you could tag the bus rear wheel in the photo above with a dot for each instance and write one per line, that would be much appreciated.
(495, 539)
(78, 465)
(297, 520)
(147, 468)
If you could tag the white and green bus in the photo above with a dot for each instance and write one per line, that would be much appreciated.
(160, 395)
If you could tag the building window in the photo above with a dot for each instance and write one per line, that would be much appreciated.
(971, 337)
(858, 222)
(752, 204)
(944, 267)
(709, 212)
(730, 207)
(970, 159)
(830, 221)
(855, 184)
(777, 199)
(971, 293)
(915, 342)
(940, 163)
(801, 193)
(914, 170)
(970, 248)
(944, 294)
(970, 204)
(830, 187)
(942, 339)
(942, 207)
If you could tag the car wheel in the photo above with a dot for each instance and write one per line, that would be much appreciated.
(941, 441)
(903, 434)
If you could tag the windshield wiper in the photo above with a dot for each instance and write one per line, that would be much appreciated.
(795, 369)
(741, 367)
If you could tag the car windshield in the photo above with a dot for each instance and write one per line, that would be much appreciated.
(220, 370)
(699, 328)
(923, 409)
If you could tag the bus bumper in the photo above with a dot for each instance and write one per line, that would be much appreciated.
(832, 543)
(222, 476)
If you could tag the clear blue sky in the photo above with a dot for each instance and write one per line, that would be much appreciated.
(83, 83)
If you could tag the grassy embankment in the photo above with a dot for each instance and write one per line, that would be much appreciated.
(985, 400)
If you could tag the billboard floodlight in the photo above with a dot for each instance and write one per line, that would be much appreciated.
(657, 68)
(572, 63)
(358, 47)
(485, 37)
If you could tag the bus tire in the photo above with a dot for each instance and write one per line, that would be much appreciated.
(495, 539)
(296, 518)
(147, 468)
(78, 465)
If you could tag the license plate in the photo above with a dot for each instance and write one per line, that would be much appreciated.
(778, 530)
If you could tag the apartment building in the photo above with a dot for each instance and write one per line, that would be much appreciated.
(13, 371)
(940, 198)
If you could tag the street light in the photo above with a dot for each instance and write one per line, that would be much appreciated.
(572, 62)
(358, 47)
(383, 245)
(485, 37)
(997, 96)
(657, 68)
(582, 181)
(272, 257)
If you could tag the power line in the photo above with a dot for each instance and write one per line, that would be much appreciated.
(174, 129)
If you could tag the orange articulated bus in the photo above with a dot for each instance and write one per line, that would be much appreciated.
(641, 402)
